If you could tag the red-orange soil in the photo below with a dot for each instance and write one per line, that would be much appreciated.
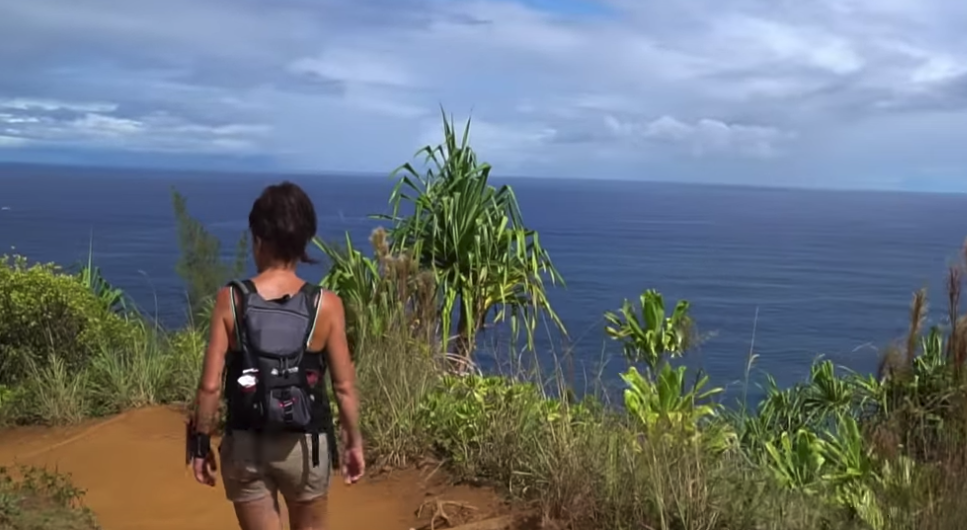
(132, 468)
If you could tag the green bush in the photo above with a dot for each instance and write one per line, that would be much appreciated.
(46, 313)
(459, 416)
(66, 355)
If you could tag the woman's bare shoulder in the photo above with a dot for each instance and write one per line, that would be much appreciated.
(223, 297)
(330, 303)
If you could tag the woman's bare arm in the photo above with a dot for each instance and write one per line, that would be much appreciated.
(342, 371)
(209, 388)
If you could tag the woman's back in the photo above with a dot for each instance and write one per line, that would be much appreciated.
(269, 335)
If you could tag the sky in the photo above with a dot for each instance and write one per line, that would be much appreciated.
(815, 93)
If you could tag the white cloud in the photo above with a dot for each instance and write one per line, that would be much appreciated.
(12, 141)
(156, 131)
(379, 102)
(101, 125)
(356, 84)
(515, 144)
(370, 82)
(28, 104)
(936, 70)
(705, 137)
(754, 40)
(355, 67)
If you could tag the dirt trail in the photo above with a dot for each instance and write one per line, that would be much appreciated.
(131, 467)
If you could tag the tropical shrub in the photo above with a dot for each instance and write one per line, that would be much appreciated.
(458, 414)
(46, 313)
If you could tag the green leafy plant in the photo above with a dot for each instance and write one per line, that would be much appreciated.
(837, 466)
(667, 407)
(797, 459)
(646, 333)
(854, 472)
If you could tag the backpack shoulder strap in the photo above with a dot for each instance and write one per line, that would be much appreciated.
(244, 288)
(310, 289)
(314, 295)
(249, 286)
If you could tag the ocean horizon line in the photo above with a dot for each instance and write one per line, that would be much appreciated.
(166, 171)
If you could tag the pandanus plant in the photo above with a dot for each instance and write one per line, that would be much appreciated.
(472, 236)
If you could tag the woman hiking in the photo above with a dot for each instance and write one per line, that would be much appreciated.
(274, 337)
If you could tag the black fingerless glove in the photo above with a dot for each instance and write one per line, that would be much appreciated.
(197, 444)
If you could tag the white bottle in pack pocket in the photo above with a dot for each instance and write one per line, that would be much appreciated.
(248, 379)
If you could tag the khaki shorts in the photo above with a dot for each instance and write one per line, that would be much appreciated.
(253, 466)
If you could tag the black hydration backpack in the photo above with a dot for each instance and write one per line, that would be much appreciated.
(273, 383)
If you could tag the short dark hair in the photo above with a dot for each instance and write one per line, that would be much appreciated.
(284, 219)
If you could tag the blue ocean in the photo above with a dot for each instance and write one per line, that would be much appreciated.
(801, 273)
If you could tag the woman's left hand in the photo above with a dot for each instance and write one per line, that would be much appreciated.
(205, 469)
